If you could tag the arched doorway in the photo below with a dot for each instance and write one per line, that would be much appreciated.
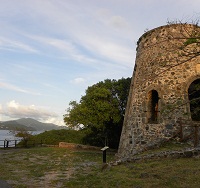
(194, 98)
(152, 106)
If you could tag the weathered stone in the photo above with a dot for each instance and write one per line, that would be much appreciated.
(163, 155)
(156, 89)
(169, 126)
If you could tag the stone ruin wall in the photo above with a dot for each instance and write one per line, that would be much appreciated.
(156, 51)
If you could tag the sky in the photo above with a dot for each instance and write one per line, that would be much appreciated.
(52, 50)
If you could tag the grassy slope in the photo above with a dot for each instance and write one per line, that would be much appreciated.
(58, 167)
(53, 137)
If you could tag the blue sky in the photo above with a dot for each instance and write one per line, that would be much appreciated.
(52, 50)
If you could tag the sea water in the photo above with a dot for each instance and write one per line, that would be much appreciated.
(8, 135)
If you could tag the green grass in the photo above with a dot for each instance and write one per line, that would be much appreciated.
(59, 167)
(53, 137)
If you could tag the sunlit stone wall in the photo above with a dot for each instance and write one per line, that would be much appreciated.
(160, 82)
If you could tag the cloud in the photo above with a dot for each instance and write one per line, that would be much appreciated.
(94, 42)
(101, 48)
(8, 86)
(15, 110)
(13, 45)
(109, 50)
(55, 121)
(65, 49)
(118, 22)
(108, 18)
(78, 81)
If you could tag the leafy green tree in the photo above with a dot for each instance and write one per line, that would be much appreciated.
(25, 136)
(101, 112)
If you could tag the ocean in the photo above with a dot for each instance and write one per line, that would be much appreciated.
(8, 135)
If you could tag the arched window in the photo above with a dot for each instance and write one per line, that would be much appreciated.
(152, 106)
(194, 98)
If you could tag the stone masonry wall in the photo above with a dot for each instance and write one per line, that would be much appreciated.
(158, 54)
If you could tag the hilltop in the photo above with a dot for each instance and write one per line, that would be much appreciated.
(29, 124)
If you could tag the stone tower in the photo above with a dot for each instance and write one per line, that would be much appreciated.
(166, 71)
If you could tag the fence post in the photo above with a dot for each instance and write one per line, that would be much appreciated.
(15, 143)
(196, 135)
(7, 144)
(4, 144)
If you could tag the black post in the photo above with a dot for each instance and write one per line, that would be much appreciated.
(4, 143)
(7, 144)
(104, 153)
(15, 143)
(104, 156)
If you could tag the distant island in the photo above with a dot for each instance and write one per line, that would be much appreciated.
(28, 124)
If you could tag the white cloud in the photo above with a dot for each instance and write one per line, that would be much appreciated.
(89, 43)
(118, 22)
(102, 48)
(106, 48)
(15, 110)
(78, 81)
(108, 18)
(59, 44)
(12, 87)
(94, 40)
(13, 45)
(55, 121)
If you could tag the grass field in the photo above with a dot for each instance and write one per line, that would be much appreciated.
(59, 167)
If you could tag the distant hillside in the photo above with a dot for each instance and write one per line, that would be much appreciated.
(13, 125)
(29, 124)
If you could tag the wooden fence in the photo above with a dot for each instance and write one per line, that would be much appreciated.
(188, 130)
(18, 143)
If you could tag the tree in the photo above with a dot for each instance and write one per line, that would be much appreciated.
(101, 112)
(25, 136)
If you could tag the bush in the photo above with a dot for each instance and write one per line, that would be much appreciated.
(53, 137)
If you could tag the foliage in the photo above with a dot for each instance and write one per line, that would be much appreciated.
(53, 137)
(25, 136)
(101, 111)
